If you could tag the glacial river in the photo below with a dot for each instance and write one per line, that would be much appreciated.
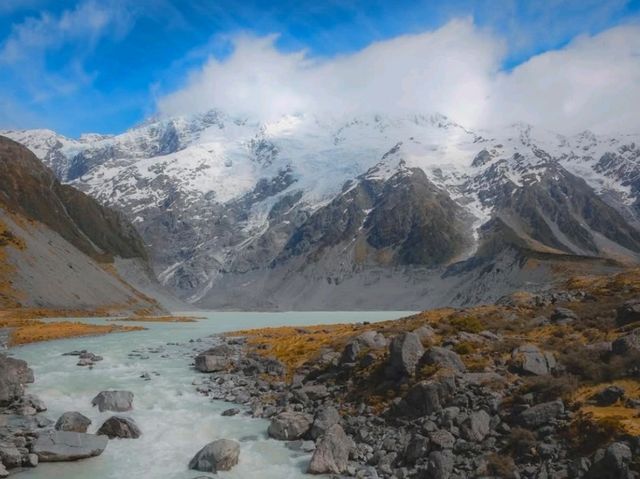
(176, 421)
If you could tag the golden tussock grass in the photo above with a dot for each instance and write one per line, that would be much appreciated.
(24, 331)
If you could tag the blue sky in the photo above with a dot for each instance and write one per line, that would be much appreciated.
(102, 66)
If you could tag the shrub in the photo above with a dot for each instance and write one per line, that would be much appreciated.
(467, 324)
(521, 442)
(586, 434)
(548, 388)
(501, 466)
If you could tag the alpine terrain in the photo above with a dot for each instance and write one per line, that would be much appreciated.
(370, 212)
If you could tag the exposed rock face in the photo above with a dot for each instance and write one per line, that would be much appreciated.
(117, 401)
(529, 359)
(73, 421)
(288, 426)
(56, 446)
(405, 351)
(14, 374)
(332, 452)
(120, 427)
(220, 455)
(68, 231)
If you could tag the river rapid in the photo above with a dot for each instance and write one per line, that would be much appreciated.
(175, 420)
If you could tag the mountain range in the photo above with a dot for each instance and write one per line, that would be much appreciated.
(368, 212)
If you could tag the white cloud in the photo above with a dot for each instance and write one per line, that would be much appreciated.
(594, 82)
(74, 31)
(434, 71)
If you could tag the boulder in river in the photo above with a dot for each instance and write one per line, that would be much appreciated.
(121, 427)
(288, 426)
(73, 421)
(220, 455)
(57, 446)
(117, 401)
(210, 363)
(325, 417)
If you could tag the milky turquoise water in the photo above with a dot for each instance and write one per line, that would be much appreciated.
(175, 420)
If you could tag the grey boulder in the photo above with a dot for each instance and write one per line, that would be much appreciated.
(55, 446)
(332, 452)
(476, 427)
(629, 343)
(541, 414)
(210, 363)
(117, 401)
(405, 351)
(325, 418)
(120, 427)
(220, 455)
(529, 359)
(289, 426)
(73, 421)
(443, 358)
(14, 374)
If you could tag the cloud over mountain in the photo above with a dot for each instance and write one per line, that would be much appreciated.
(591, 83)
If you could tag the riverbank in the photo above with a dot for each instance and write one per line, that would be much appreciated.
(534, 386)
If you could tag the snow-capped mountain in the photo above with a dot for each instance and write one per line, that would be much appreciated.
(305, 211)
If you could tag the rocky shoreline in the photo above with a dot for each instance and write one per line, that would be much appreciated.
(443, 419)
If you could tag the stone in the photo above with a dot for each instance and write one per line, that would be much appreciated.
(613, 464)
(116, 401)
(350, 353)
(231, 412)
(417, 448)
(529, 359)
(55, 446)
(209, 363)
(443, 358)
(325, 417)
(331, 455)
(10, 455)
(476, 427)
(120, 427)
(31, 460)
(541, 414)
(220, 455)
(73, 421)
(426, 397)
(440, 465)
(405, 352)
(288, 426)
(628, 313)
(424, 333)
(629, 343)
(608, 396)
(372, 340)
(3, 471)
(563, 316)
(300, 445)
(442, 439)
(14, 374)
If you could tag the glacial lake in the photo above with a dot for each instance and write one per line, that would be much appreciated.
(176, 421)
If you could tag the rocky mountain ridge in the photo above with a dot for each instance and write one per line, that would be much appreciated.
(229, 203)
(60, 249)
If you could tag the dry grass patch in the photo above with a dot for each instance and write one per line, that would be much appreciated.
(24, 331)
